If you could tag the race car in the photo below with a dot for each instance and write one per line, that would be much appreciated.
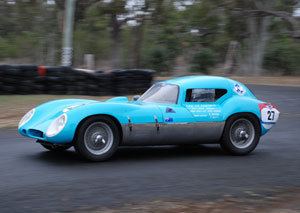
(185, 110)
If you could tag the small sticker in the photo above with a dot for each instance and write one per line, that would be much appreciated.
(238, 89)
(168, 119)
(170, 110)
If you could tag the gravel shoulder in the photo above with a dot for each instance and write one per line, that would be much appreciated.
(280, 202)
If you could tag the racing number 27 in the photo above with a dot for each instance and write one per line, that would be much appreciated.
(271, 115)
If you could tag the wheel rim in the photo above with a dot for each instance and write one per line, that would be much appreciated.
(98, 138)
(242, 133)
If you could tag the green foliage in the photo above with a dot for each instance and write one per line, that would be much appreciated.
(22, 45)
(203, 60)
(8, 49)
(286, 5)
(32, 29)
(202, 15)
(91, 35)
(27, 30)
(283, 55)
(157, 58)
(89, 43)
(161, 40)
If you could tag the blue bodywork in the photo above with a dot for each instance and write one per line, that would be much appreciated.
(238, 99)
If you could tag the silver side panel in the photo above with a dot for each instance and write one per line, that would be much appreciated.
(173, 133)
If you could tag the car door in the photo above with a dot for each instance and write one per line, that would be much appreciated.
(177, 125)
(142, 126)
(205, 105)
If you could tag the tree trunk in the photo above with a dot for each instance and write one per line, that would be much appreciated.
(138, 41)
(256, 45)
(116, 45)
(232, 57)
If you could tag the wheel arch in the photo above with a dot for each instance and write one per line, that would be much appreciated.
(245, 114)
(226, 142)
(114, 119)
(238, 105)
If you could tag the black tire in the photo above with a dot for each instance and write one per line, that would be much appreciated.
(228, 144)
(81, 141)
(56, 148)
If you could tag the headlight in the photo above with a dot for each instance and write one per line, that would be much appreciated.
(56, 126)
(26, 117)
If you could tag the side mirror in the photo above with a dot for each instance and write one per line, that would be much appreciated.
(136, 97)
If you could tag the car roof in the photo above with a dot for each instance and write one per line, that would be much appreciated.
(201, 82)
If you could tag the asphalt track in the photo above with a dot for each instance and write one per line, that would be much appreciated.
(35, 180)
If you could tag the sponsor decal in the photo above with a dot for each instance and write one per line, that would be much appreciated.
(239, 89)
(208, 111)
(170, 110)
(169, 119)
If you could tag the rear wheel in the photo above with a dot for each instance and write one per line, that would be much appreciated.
(97, 139)
(241, 134)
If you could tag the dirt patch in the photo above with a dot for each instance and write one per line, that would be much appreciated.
(282, 202)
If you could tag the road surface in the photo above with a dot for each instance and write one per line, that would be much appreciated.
(33, 179)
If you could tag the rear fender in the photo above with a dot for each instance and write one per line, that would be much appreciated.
(238, 104)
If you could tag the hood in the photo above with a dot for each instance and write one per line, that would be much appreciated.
(50, 110)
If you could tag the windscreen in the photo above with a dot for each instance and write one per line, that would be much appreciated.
(161, 93)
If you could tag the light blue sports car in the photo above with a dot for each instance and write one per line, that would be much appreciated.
(186, 110)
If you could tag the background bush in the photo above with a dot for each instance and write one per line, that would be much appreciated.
(203, 60)
(283, 55)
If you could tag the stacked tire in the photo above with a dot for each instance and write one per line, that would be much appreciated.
(18, 79)
(133, 81)
(88, 83)
(32, 79)
(56, 80)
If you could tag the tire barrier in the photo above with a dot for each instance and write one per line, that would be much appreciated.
(32, 79)
(135, 81)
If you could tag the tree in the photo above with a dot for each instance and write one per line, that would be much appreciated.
(24, 29)
(257, 16)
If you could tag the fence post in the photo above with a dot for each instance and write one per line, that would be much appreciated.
(67, 50)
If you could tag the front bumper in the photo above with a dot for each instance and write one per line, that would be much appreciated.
(64, 136)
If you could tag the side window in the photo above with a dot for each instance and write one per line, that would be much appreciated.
(204, 95)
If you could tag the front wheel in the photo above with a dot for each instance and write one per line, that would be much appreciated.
(241, 134)
(97, 138)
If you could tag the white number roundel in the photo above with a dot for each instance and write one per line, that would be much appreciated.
(269, 116)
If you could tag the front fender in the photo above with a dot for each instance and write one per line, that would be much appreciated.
(120, 111)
